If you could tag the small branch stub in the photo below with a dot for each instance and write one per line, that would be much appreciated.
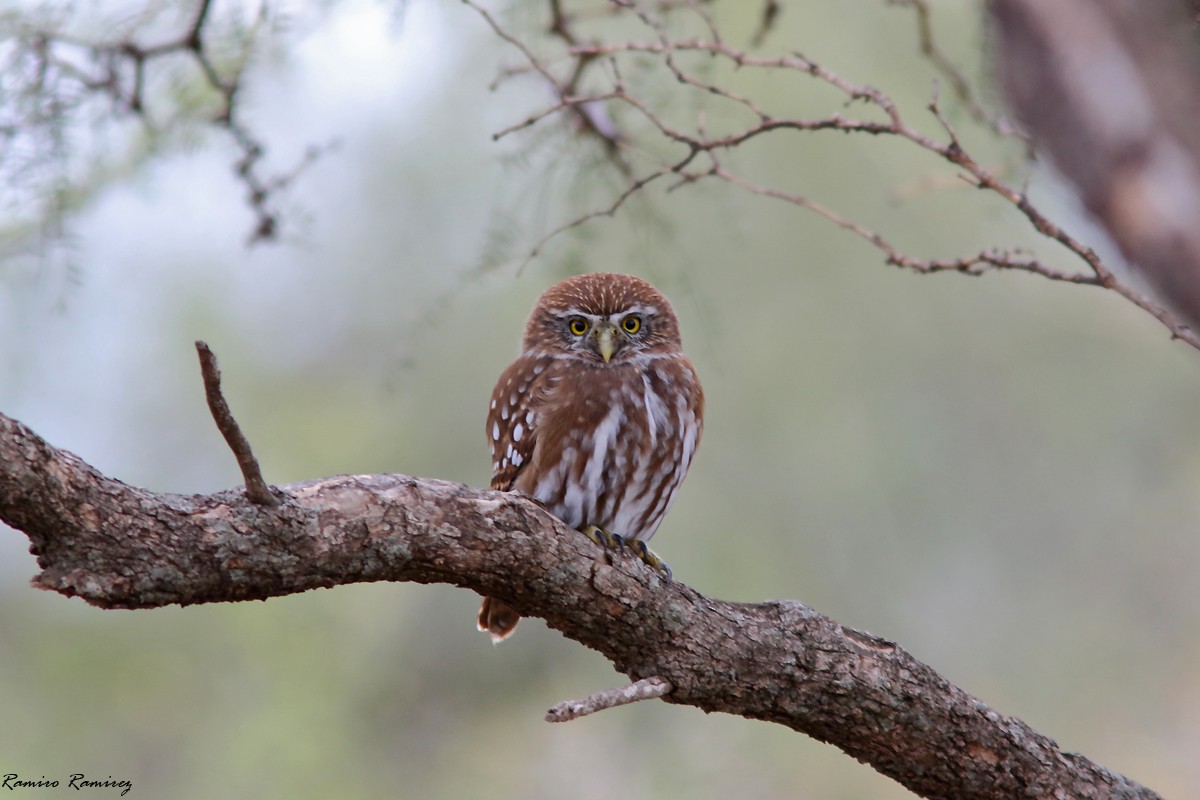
(645, 689)
(256, 488)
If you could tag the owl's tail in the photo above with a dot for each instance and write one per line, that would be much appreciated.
(497, 618)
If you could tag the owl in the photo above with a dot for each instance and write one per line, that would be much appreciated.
(598, 418)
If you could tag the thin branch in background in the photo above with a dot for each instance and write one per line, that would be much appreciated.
(947, 147)
(257, 489)
(587, 116)
(607, 211)
(976, 264)
(71, 67)
(766, 22)
(963, 89)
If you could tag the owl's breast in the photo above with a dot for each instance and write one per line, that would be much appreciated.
(613, 448)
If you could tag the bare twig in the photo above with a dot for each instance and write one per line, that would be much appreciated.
(963, 89)
(645, 689)
(975, 264)
(256, 488)
(585, 113)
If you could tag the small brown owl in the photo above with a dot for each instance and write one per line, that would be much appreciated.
(598, 418)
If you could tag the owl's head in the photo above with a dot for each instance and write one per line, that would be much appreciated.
(603, 317)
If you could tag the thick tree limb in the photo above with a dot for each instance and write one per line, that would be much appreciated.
(117, 546)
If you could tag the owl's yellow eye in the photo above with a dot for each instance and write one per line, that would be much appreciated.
(632, 323)
(577, 326)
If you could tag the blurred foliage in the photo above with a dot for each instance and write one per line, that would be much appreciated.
(999, 473)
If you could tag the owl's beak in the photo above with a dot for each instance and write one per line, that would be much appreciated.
(606, 341)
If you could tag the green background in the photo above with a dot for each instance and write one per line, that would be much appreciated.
(999, 473)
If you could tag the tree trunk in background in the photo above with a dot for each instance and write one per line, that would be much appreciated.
(1110, 91)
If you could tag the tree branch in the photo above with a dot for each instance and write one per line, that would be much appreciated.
(645, 689)
(680, 60)
(71, 70)
(117, 546)
(256, 488)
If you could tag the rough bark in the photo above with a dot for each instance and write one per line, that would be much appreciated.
(1110, 91)
(117, 546)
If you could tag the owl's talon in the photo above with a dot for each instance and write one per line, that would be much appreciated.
(606, 539)
(650, 559)
(610, 541)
